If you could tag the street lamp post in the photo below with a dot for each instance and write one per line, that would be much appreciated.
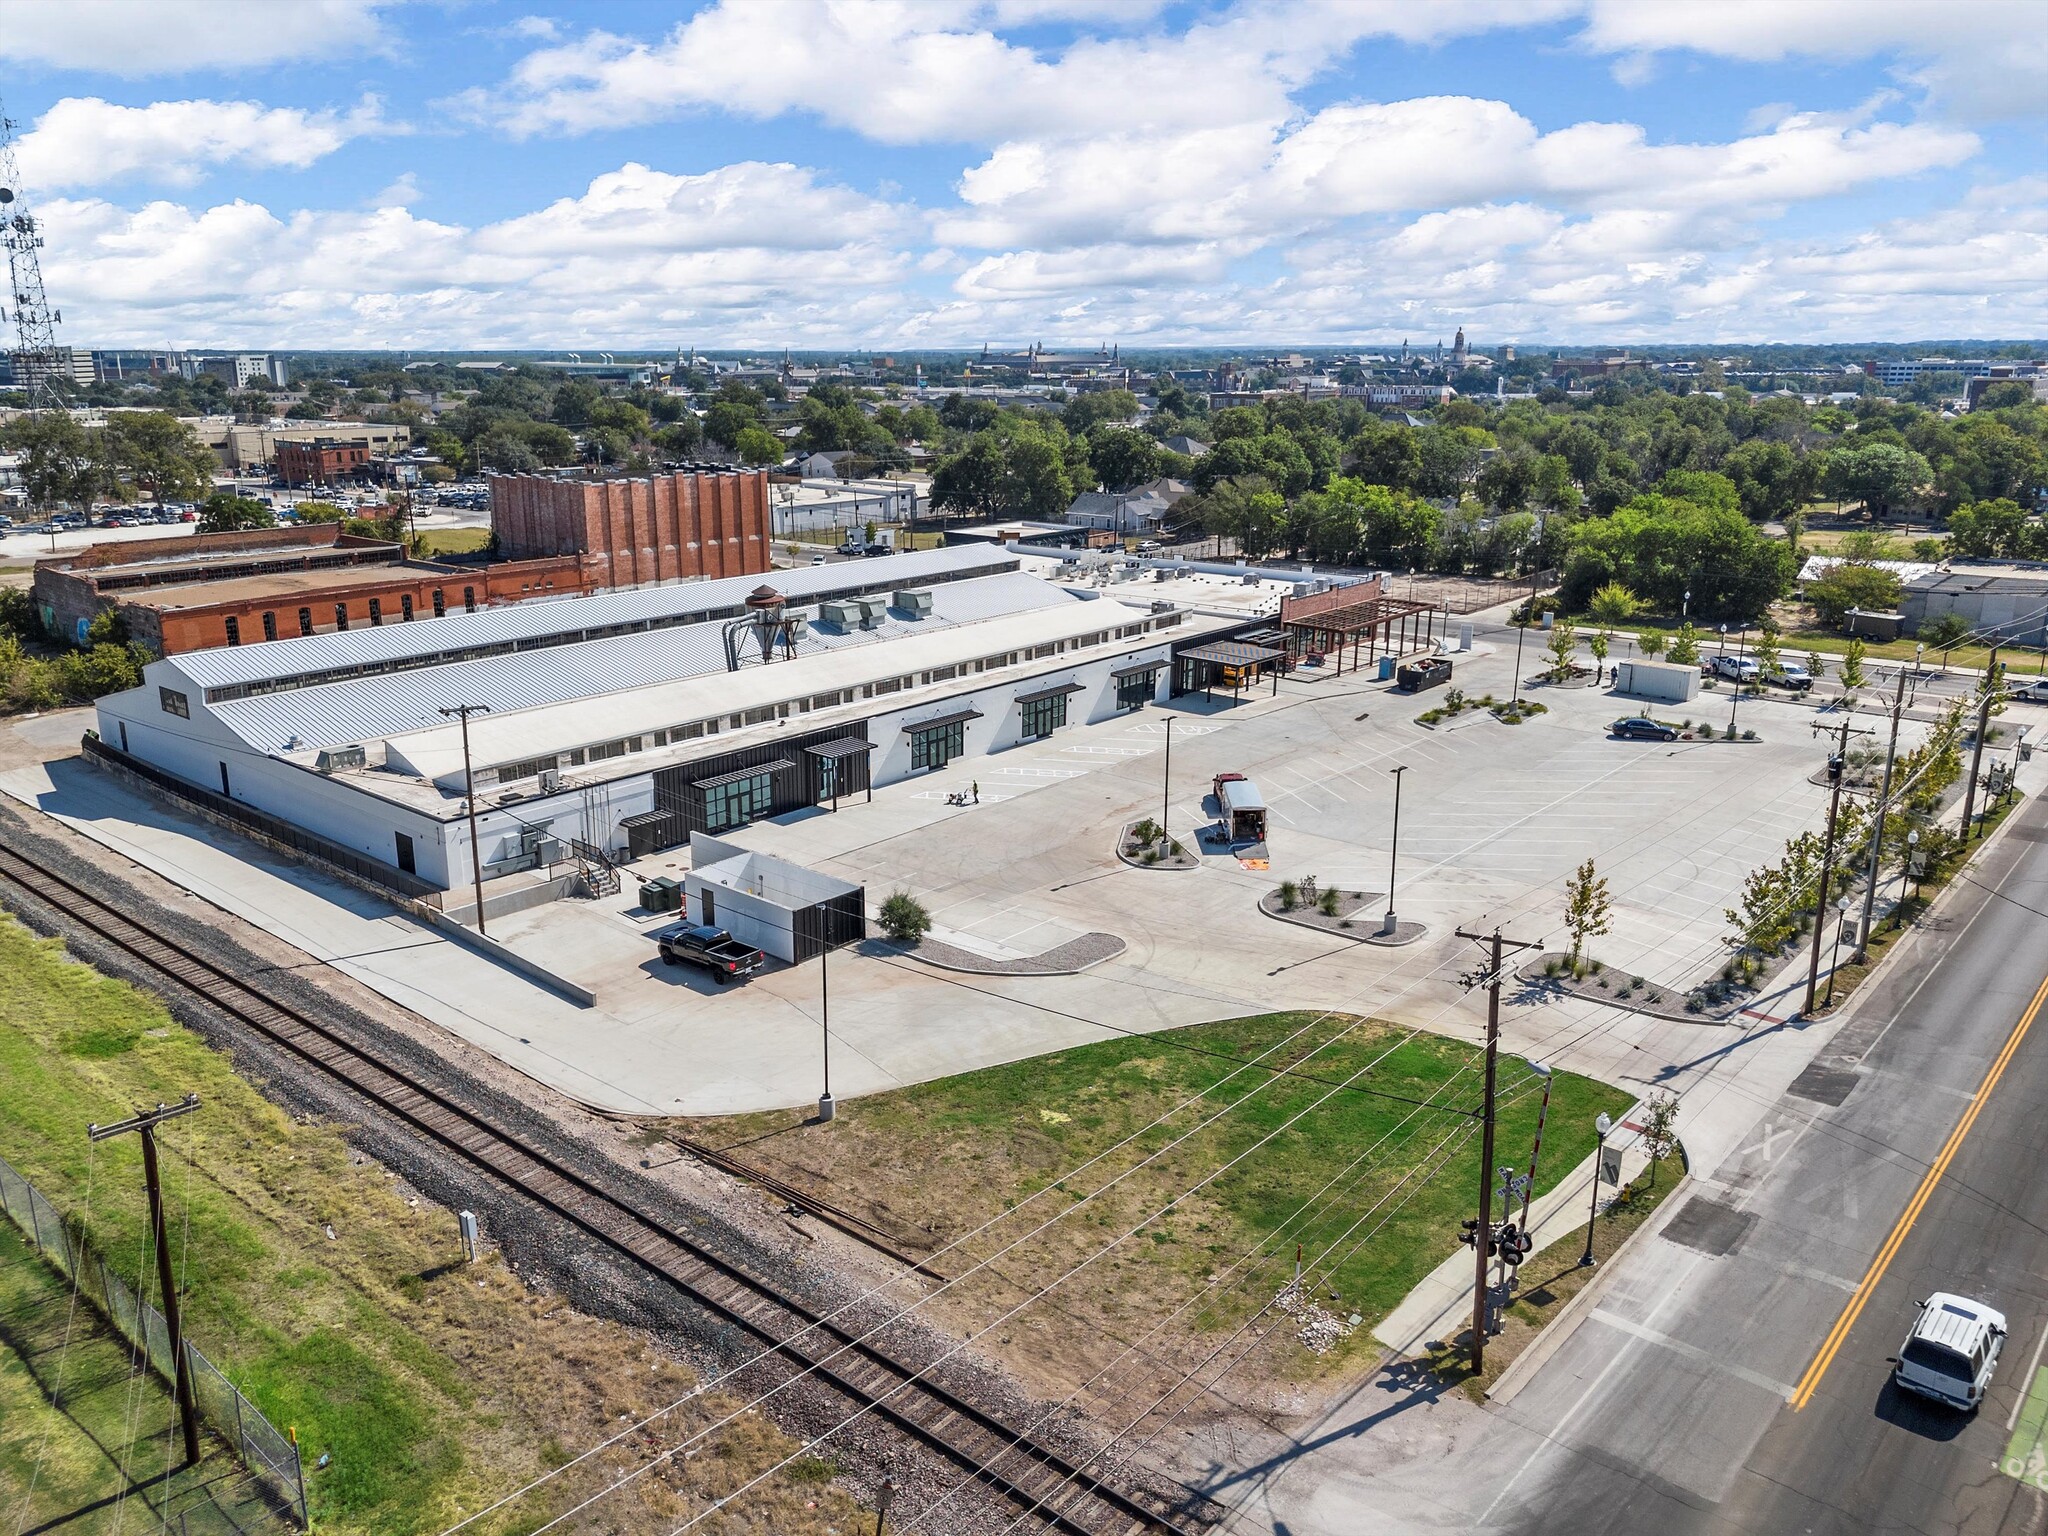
(1912, 853)
(827, 1105)
(1601, 1127)
(1387, 924)
(1166, 781)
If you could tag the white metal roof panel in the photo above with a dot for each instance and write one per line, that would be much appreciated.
(388, 704)
(230, 665)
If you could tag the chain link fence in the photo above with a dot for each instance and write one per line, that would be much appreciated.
(271, 1456)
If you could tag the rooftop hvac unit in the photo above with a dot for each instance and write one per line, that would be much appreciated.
(845, 613)
(873, 609)
(1161, 605)
(796, 628)
(334, 759)
(918, 604)
(550, 780)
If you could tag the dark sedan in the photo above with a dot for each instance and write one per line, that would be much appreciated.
(1643, 728)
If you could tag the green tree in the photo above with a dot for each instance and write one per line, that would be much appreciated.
(904, 918)
(62, 464)
(225, 512)
(1660, 1129)
(1852, 663)
(1650, 642)
(757, 445)
(1885, 477)
(1562, 645)
(1847, 586)
(1685, 645)
(1599, 644)
(1122, 457)
(1661, 548)
(1613, 605)
(1588, 909)
(1944, 632)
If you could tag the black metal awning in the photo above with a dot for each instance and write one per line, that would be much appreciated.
(1232, 653)
(951, 717)
(1049, 693)
(647, 819)
(844, 746)
(774, 765)
(1136, 667)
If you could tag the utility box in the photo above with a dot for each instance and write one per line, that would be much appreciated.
(661, 894)
(1663, 682)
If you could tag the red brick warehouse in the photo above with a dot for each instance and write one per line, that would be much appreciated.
(634, 531)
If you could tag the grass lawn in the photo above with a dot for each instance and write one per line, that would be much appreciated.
(453, 541)
(111, 1455)
(1384, 1183)
(434, 1387)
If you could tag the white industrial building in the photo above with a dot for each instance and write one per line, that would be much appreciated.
(627, 721)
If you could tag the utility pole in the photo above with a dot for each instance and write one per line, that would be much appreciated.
(1489, 977)
(1977, 752)
(1884, 794)
(144, 1123)
(476, 857)
(1836, 764)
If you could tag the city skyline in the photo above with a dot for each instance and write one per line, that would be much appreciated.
(733, 176)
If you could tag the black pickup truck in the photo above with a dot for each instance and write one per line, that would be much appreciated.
(713, 948)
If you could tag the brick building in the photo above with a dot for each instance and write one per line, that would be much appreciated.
(187, 594)
(630, 531)
(322, 460)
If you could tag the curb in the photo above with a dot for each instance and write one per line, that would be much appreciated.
(1566, 1323)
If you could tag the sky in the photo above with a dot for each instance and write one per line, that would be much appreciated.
(892, 174)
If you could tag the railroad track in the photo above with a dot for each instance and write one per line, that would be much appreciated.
(1061, 1495)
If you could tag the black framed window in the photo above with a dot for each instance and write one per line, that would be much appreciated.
(938, 746)
(269, 624)
(741, 801)
(1041, 717)
(234, 630)
(305, 621)
(341, 615)
(174, 703)
(376, 610)
(1135, 689)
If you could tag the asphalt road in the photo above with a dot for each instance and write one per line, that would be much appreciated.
(1672, 1407)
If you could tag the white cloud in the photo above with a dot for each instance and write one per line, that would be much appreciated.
(168, 37)
(638, 257)
(84, 141)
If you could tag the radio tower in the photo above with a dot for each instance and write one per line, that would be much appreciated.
(35, 323)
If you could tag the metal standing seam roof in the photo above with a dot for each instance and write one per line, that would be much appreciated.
(1232, 653)
(1139, 666)
(536, 618)
(950, 717)
(370, 708)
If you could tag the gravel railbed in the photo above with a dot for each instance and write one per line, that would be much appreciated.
(545, 1250)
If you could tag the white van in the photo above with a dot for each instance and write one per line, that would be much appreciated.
(1951, 1351)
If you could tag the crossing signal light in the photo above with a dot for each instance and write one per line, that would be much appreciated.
(1468, 1233)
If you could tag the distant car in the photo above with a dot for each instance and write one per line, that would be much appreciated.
(1735, 668)
(1643, 728)
(877, 549)
(2033, 691)
(717, 951)
(1951, 1351)
(1148, 547)
(818, 559)
(1798, 679)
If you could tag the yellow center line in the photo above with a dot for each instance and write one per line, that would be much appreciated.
(1803, 1393)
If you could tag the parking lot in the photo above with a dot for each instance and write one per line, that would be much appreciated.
(1493, 818)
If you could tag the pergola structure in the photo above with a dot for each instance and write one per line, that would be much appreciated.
(1236, 662)
(1395, 625)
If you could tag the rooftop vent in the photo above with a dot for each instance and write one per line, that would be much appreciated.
(334, 759)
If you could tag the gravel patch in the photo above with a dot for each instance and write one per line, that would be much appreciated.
(1652, 998)
(1131, 851)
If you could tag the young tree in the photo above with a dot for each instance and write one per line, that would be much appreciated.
(1852, 663)
(1816, 668)
(1598, 645)
(1660, 1129)
(1651, 642)
(1564, 640)
(1767, 658)
(1945, 632)
(1588, 910)
(1685, 645)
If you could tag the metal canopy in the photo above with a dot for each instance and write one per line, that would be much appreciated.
(1049, 693)
(1136, 667)
(844, 746)
(646, 819)
(1233, 653)
(951, 717)
(773, 765)
(1373, 613)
